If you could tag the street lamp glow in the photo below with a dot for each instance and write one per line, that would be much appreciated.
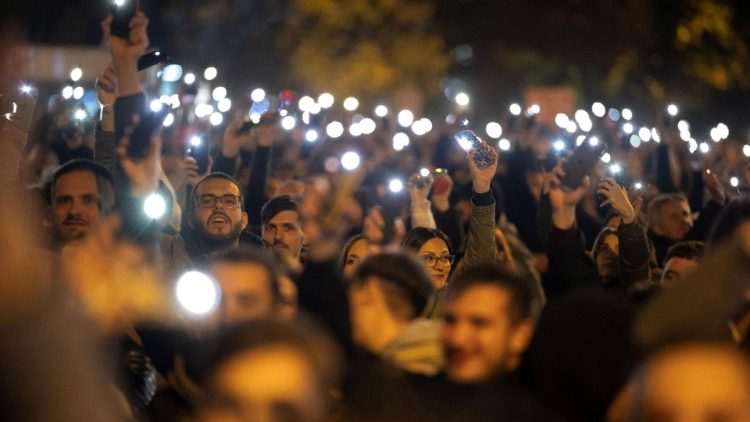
(325, 100)
(351, 103)
(494, 130)
(258, 95)
(350, 160)
(154, 206)
(210, 73)
(76, 74)
(381, 111)
(405, 118)
(334, 129)
(197, 293)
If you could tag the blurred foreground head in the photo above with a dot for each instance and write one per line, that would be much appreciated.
(698, 382)
(268, 370)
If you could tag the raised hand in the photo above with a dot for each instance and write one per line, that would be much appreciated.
(126, 52)
(482, 178)
(106, 89)
(192, 177)
(233, 141)
(617, 197)
(563, 202)
(142, 174)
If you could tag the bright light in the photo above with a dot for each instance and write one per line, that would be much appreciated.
(306, 117)
(196, 141)
(355, 130)
(494, 130)
(288, 122)
(367, 125)
(613, 114)
(627, 114)
(615, 168)
(171, 73)
(168, 120)
(635, 141)
(395, 186)
(462, 99)
(197, 293)
(351, 103)
(715, 135)
(584, 121)
(155, 206)
(257, 95)
(515, 109)
(224, 105)
(311, 135)
(593, 141)
(76, 74)
(534, 110)
(723, 130)
(422, 126)
(306, 103)
(155, 105)
(25, 89)
(746, 150)
(78, 93)
(627, 128)
(189, 78)
(572, 127)
(381, 111)
(334, 129)
(704, 148)
(685, 135)
(598, 109)
(655, 135)
(734, 182)
(203, 110)
(79, 114)
(350, 160)
(606, 158)
(175, 100)
(315, 109)
(67, 92)
(645, 134)
(405, 118)
(219, 93)
(672, 110)
(638, 185)
(119, 3)
(692, 145)
(325, 100)
(216, 118)
(580, 139)
(683, 126)
(400, 141)
(586, 125)
(562, 120)
(424, 172)
(210, 73)
(503, 144)
(558, 145)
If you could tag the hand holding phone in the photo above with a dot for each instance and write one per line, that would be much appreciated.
(483, 154)
(581, 163)
(200, 150)
(122, 12)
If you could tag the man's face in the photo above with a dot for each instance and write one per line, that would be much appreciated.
(674, 220)
(284, 233)
(676, 387)
(479, 337)
(676, 270)
(245, 291)
(75, 205)
(608, 257)
(217, 223)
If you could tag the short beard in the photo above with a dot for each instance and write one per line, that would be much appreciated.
(212, 243)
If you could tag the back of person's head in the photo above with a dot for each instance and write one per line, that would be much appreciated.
(727, 222)
(276, 205)
(415, 238)
(406, 285)
(689, 249)
(524, 303)
(254, 256)
(104, 181)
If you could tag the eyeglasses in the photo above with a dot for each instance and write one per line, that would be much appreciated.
(432, 260)
(228, 201)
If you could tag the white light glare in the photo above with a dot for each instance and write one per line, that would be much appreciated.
(598, 109)
(559, 145)
(311, 135)
(196, 141)
(334, 129)
(355, 130)
(168, 120)
(494, 130)
(615, 168)
(746, 150)
(421, 126)
(258, 95)
(288, 122)
(562, 120)
(67, 92)
(154, 206)
(533, 110)
(155, 105)
(462, 99)
(78, 93)
(189, 78)
(224, 105)
(80, 114)
(210, 73)
(400, 141)
(424, 172)
(593, 141)
(367, 125)
(638, 185)
(635, 141)
(351, 103)
(704, 147)
(627, 128)
(350, 160)
(405, 118)
(734, 181)
(723, 130)
(515, 109)
(395, 186)
(25, 89)
(627, 114)
(606, 158)
(216, 118)
(672, 110)
(203, 110)
(219, 93)
(197, 293)
(306, 103)
(572, 127)
(76, 74)
(645, 134)
(171, 73)
(381, 111)
(504, 144)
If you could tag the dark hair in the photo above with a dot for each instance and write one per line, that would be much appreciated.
(656, 204)
(600, 240)
(104, 181)
(728, 220)
(345, 251)
(254, 255)
(418, 236)
(524, 301)
(276, 205)
(406, 285)
(689, 249)
(216, 175)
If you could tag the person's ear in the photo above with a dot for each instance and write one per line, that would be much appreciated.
(521, 336)
(244, 220)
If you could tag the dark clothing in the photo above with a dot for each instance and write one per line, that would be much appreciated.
(700, 231)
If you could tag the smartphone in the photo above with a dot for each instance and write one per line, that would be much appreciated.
(151, 59)
(139, 144)
(441, 184)
(390, 208)
(581, 163)
(467, 140)
(22, 108)
(123, 12)
(200, 149)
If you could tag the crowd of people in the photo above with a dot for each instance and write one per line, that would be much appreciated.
(273, 285)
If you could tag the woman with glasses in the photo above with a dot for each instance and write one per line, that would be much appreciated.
(434, 249)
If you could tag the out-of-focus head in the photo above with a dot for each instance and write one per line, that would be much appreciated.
(389, 287)
(489, 319)
(606, 254)
(435, 250)
(681, 260)
(249, 285)
(294, 188)
(79, 194)
(731, 217)
(355, 251)
(695, 382)
(216, 215)
(282, 226)
(268, 370)
(669, 216)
